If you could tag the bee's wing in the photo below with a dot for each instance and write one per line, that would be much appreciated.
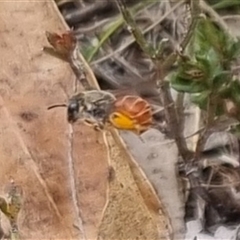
(146, 90)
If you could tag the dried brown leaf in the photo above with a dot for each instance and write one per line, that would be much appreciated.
(133, 210)
(36, 144)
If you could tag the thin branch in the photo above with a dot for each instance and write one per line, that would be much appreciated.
(211, 109)
(133, 28)
(180, 111)
(171, 114)
(195, 11)
(174, 119)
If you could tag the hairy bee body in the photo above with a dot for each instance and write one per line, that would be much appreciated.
(90, 106)
(101, 108)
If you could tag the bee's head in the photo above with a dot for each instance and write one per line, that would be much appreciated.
(75, 108)
(73, 111)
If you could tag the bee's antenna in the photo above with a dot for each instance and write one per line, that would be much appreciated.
(57, 105)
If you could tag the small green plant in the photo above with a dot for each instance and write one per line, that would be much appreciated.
(205, 72)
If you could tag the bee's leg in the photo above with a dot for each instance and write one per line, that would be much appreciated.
(88, 122)
(98, 126)
(105, 120)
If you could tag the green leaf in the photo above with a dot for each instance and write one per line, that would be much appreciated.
(112, 28)
(200, 99)
(203, 69)
(183, 85)
(225, 4)
(191, 71)
(208, 36)
(233, 49)
(210, 62)
(199, 42)
(221, 81)
(87, 50)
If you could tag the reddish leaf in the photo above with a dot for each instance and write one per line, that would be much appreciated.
(63, 44)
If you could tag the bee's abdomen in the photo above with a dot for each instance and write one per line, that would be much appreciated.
(135, 108)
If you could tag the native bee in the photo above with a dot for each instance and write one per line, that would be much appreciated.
(101, 109)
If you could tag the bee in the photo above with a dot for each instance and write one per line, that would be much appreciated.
(101, 109)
